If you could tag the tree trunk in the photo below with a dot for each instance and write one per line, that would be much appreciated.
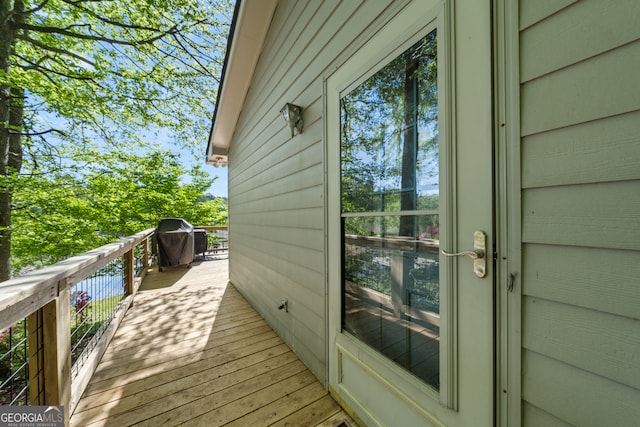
(409, 149)
(11, 116)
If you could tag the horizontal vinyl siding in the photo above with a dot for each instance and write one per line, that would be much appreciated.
(575, 275)
(578, 34)
(532, 12)
(536, 417)
(598, 151)
(576, 396)
(596, 215)
(594, 341)
(276, 183)
(602, 86)
(580, 128)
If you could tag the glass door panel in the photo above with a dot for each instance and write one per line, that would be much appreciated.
(392, 291)
(390, 203)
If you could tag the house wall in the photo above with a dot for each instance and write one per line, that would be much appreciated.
(580, 128)
(580, 147)
(276, 183)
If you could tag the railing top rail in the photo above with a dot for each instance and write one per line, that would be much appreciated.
(211, 227)
(393, 242)
(23, 295)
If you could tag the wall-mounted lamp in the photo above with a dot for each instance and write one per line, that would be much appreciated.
(293, 116)
(220, 161)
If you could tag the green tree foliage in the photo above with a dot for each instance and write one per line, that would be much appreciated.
(68, 213)
(389, 143)
(81, 78)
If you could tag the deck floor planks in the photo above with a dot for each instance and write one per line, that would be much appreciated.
(193, 374)
(322, 410)
(157, 407)
(280, 408)
(245, 398)
(192, 351)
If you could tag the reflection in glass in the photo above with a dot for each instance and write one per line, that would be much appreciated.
(390, 211)
(389, 136)
(392, 293)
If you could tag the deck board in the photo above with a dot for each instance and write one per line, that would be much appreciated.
(191, 351)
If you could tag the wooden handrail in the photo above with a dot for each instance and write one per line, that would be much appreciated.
(401, 243)
(211, 227)
(43, 298)
(21, 296)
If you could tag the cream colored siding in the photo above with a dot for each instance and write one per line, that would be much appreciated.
(536, 417)
(276, 183)
(580, 127)
(595, 215)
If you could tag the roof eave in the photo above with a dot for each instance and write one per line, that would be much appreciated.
(251, 20)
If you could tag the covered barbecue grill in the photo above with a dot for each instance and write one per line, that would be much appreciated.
(201, 242)
(175, 242)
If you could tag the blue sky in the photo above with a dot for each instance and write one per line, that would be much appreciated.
(189, 159)
(219, 187)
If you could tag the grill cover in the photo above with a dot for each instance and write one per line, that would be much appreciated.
(201, 241)
(175, 242)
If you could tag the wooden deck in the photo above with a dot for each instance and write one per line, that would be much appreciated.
(191, 351)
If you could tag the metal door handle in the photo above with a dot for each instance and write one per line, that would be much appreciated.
(477, 254)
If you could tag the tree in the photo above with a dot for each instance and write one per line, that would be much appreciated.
(67, 213)
(81, 76)
(389, 143)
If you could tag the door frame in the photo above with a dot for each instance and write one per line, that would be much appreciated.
(508, 213)
(364, 358)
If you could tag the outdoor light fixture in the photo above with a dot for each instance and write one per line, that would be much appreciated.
(293, 116)
(220, 161)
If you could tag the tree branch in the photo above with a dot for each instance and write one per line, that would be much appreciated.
(98, 38)
(37, 8)
(36, 66)
(55, 49)
(44, 132)
(204, 69)
(104, 19)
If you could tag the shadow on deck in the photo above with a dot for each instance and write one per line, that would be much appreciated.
(192, 351)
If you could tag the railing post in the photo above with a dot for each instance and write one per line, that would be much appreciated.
(401, 265)
(129, 271)
(397, 282)
(145, 254)
(56, 347)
